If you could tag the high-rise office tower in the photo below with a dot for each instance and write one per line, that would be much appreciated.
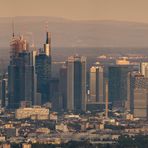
(63, 86)
(139, 95)
(128, 101)
(43, 71)
(140, 103)
(37, 95)
(76, 83)
(20, 74)
(144, 68)
(1, 99)
(4, 92)
(96, 84)
(56, 98)
(106, 99)
(133, 78)
(118, 78)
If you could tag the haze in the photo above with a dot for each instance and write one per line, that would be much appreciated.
(124, 10)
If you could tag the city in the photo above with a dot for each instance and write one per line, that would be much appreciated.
(71, 96)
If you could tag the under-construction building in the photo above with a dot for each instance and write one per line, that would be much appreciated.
(20, 73)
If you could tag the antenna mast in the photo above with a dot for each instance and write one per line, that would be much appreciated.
(13, 27)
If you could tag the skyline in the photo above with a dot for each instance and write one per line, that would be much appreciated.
(73, 73)
(133, 10)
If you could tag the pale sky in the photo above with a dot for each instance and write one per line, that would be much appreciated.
(129, 10)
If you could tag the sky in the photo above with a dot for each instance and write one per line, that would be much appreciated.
(123, 10)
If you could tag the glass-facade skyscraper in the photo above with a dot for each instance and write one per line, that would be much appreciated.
(43, 71)
(118, 82)
(20, 74)
(76, 83)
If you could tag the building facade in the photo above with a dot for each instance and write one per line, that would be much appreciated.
(43, 71)
(76, 83)
(138, 95)
(96, 84)
(118, 80)
(36, 112)
(20, 74)
(144, 68)
(63, 86)
(140, 103)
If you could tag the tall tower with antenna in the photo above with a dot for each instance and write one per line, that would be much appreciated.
(13, 28)
(43, 69)
(47, 45)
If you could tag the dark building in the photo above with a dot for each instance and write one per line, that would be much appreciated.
(4, 92)
(118, 78)
(55, 95)
(20, 75)
(63, 86)
(43, 71)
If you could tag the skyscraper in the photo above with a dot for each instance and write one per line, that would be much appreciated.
(4, 92)
(133, 82)
(63, 86)
(144, 68)
(76, 83)
(118, 78)
(1, 99)
(139, 95)
(96, 83)
(37, 95)
(56, 98)
(20, 73)
(140, 103)
(106, 99)
(43, 71)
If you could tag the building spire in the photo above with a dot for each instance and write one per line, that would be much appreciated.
(47, 35)
(13, 28)
(47, 38)
(47, 45)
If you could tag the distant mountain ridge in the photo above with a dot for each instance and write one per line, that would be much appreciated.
(76, 33)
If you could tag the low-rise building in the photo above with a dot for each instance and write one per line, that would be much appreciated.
(35, 113)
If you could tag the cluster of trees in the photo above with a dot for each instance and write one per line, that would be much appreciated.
(138, 141)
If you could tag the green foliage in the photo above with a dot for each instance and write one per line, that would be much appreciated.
(78, 144)
(139, 141)
(37, 145)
